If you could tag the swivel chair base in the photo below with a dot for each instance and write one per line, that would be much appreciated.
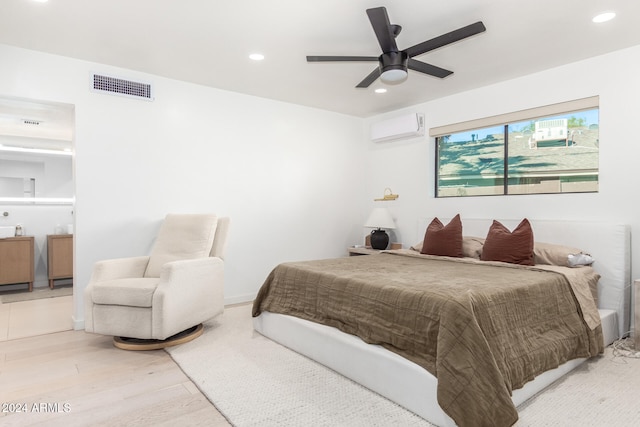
(187, 335)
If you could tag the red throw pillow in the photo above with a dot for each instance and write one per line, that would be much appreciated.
(443, 240)
(514, 247)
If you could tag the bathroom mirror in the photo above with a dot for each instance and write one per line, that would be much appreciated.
(36, 149)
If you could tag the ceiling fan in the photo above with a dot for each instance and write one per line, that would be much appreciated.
(393, 63)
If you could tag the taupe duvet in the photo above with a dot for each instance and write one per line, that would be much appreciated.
(483, 329)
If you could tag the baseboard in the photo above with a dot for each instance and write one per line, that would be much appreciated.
(78, 324)
(239, 299)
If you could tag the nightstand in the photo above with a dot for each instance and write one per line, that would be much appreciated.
(363, 251)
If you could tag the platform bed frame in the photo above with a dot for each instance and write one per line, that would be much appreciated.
(414, 388)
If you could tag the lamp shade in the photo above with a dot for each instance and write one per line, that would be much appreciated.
(380, 218)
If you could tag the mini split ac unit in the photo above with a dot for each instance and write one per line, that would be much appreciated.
(407, 126)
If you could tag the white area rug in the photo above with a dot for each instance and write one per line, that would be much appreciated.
(254, 381)
(604, 391)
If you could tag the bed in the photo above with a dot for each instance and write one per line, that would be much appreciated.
(407, 379)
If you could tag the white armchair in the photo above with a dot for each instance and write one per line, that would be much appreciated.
(161, 296)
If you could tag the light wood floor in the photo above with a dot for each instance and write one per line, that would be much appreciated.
(36, 317)
(73, 378)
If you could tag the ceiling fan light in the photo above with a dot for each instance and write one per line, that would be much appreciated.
(394, 76)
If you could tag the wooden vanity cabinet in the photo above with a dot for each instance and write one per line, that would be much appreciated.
(16, 261)
(60, 257)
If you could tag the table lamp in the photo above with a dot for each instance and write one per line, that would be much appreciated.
(380, 219)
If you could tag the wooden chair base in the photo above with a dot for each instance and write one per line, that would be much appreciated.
(136, 344)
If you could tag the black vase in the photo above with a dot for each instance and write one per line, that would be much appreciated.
(379, 239)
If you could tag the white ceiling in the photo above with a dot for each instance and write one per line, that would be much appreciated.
(208, 42)
(35, 124)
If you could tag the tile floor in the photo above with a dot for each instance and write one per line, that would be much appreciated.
(37, 317)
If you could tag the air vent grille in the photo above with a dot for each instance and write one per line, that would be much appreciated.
(117, 86)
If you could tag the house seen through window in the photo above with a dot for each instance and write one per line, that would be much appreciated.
(554, 154)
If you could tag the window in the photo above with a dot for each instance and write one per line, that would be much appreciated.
(555, 153)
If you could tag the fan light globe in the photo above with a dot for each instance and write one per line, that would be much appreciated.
(394, 76)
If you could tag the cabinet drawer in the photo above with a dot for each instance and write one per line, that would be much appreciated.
(60, 256)
(16, 260)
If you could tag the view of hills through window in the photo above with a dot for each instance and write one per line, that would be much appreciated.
(557, 154)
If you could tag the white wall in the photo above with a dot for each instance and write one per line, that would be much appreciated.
(52, 174)
(408, 166)
(290, 177)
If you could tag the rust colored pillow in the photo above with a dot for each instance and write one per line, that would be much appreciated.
(513, 247)
(443, 240)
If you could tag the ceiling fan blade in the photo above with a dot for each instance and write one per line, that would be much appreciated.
(382, 27)
(445, 39)
(370, 78)
(425, 68)
(341, 58)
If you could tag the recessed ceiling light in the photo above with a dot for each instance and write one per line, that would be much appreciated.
(604, 17)
(380, 90)
(256, 56)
